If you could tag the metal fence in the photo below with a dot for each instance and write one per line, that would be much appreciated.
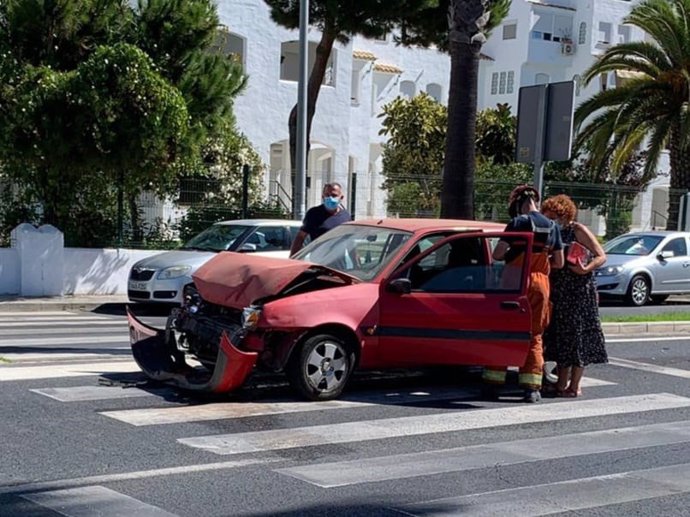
(164, 223)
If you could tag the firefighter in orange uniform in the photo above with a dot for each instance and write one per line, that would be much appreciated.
(547, 252)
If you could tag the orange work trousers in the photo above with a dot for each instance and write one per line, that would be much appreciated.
(530, 374)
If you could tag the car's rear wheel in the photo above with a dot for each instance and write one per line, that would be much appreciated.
(320, 367)
(638, 291)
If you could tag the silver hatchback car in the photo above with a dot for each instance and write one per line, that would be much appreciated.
(645, 266)
(161, 278)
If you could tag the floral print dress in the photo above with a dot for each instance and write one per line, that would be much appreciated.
(574, 336)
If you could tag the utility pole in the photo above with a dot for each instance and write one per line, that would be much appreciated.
(300, 187)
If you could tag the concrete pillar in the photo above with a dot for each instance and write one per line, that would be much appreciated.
(41, 259)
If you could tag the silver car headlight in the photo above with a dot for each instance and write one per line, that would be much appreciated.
(250, 317)
(609, 270)
(174, 272)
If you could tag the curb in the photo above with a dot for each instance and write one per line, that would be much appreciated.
(61, 304)
(652, 327)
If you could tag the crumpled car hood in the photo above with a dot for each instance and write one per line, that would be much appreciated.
(237, 280)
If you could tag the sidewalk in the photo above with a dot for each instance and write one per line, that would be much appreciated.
(118, 302)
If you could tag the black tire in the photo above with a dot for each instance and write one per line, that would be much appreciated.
(659, 298)
(638, 291)
(320, 367)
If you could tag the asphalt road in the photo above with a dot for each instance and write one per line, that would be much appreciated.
(84, 434)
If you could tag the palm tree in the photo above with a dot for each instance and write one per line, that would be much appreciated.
(469, 23)
(651, 109)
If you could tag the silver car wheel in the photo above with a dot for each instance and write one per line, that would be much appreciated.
(639, 291)
(326, 366)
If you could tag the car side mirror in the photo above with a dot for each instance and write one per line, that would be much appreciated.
(400, 286)
(663, 255)
(248, 246)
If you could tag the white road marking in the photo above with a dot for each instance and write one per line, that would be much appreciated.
(93, 354)
(349, 432)
(224, 410)
(36, 314)
(83, 393)
(20, 373)
(647, 339)
(564, 496)
(68, 340)
(400, 466)
(51, 328)
(58, 320)
(128, 476)
(94, 500)
(653, 368)
(67, 331)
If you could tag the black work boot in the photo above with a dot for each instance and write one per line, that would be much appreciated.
(532, 396)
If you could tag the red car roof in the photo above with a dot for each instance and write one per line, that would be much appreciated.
(415, 225)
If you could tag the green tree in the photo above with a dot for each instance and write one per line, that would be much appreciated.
(65, 117)
(460, 27)
(413, 155)
(650, 110)
(496, 130)
(337, 21)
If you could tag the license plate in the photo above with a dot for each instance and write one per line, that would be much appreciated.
(137, 286)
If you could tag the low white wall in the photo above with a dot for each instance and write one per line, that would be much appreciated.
(9, 271)
(38, 265)
(99, 271)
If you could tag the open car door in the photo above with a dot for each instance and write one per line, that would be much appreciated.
(455, 304)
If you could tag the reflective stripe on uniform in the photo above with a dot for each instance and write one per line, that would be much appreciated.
(494, 376)
(530, 380)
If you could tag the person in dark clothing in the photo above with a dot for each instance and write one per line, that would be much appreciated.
(326, 216)
(547, 252)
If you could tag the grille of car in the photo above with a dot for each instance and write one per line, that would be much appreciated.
(164, 294)
(141, 295)
(141, 274)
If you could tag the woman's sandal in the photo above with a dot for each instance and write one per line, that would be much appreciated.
(569, 394)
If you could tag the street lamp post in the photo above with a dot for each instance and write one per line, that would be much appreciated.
(300, 187)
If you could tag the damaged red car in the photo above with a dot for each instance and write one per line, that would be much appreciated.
(390, 293)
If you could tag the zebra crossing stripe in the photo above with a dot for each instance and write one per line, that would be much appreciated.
(653, 368)
(94, 500)
(67, 340)
(400, 466)
(89, 392)
(224, 410)
(565, 496)
(349, 432)
(41, 329)
(55, 370)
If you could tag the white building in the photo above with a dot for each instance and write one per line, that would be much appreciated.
(540, 41)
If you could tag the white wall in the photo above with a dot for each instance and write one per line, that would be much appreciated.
(83, 271)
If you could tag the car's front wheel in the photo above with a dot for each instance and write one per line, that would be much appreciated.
(638, 291)
(320, 367)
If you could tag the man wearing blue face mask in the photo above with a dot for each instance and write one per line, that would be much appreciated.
(326, 216)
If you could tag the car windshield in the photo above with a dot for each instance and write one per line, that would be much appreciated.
(632, 245)
(358, 250)
(219, 237)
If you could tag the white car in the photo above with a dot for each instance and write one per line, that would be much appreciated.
(162, 278)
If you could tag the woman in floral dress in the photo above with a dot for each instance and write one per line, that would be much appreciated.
(574, 338)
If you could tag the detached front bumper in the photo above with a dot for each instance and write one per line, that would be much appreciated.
(159, 359)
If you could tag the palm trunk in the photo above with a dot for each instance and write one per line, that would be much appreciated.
(318, 72)
(679, 156)
(466, 20)
(457, 200)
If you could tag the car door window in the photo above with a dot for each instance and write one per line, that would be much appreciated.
(270, 238)
(677, 246)
(462, 266)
